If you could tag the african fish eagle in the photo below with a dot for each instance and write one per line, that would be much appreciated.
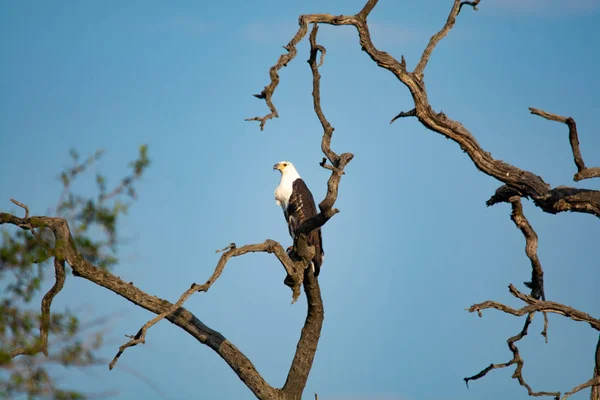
(298, 206)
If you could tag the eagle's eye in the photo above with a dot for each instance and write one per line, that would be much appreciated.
(285, 164)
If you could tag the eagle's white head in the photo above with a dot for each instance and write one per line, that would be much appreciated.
(288, 176)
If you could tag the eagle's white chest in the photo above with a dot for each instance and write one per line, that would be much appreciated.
(283, 193)
(284, 190)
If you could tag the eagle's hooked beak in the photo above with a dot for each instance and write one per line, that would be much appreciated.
(276, 166)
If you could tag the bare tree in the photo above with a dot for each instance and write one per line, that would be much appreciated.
(516, 184)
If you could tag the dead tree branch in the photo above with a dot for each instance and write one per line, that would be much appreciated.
(516, 360)
(534, 306)
(537, 291)
(269, 246)
(435, 39)
(531, 244)
(187, 321)
(582, 171)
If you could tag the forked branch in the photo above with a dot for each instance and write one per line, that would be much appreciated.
(534, 306)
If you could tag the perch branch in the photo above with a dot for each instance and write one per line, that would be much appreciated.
(582, 171)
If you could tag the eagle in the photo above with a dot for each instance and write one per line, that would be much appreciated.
(298, 206)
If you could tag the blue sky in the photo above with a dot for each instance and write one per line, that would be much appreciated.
(414, 244)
